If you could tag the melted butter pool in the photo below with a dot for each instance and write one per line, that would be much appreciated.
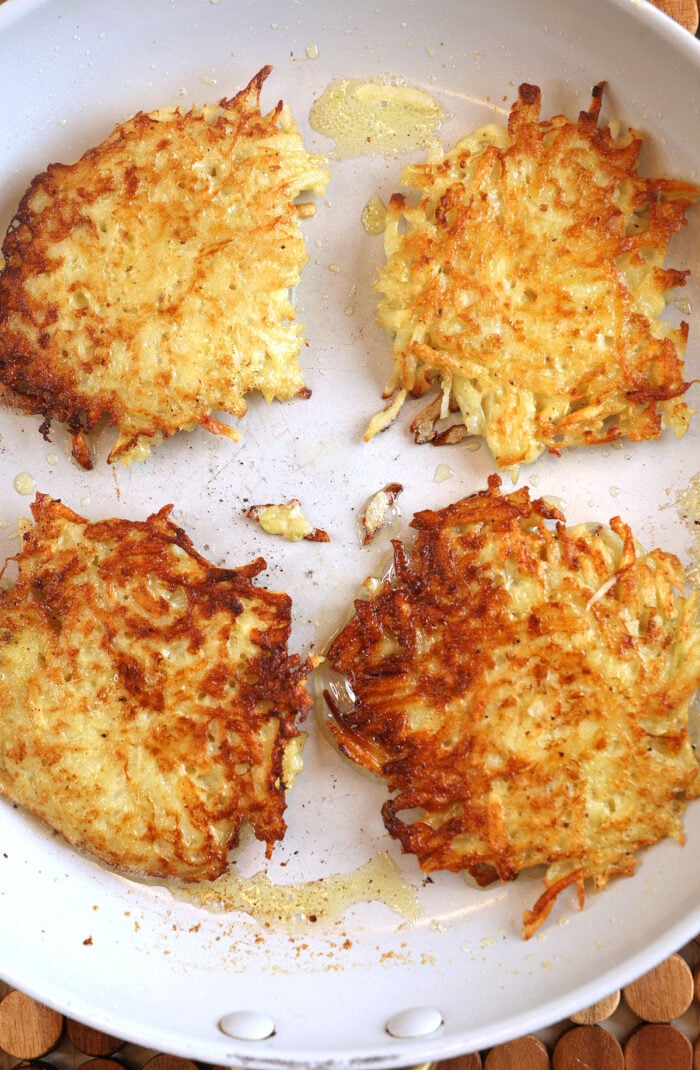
(322, 900)
(376, 116)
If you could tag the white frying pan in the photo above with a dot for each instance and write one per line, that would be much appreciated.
(133, 959)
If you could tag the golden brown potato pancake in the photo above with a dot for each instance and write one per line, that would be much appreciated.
(526, 284)
(148, 704)
(147, 285)
(523, 688)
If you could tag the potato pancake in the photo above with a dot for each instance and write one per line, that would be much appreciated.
(148, 704)
(527, 283)
(148, 284)
(523, 687)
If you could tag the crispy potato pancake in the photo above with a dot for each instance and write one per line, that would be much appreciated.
(148, 704)
(147, 285)
(527, 283)
(524, 689)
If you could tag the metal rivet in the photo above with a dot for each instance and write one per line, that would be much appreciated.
(414, 1022)
(247, 1025)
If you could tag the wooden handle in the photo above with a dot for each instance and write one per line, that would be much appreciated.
(28, 1030)
(664, 993)
(91, 1041)
(599, 1011)
(169, 1062)
(100, 1063)
(683, 11)
(658, 1045)
(528, 1053)
(588, 1047)
(462, 1062)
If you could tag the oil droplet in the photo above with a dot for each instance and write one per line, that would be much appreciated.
(555, 502)
(443, 472)
(374, 215)
(312, 51)
(376, 116)
(24, 483)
